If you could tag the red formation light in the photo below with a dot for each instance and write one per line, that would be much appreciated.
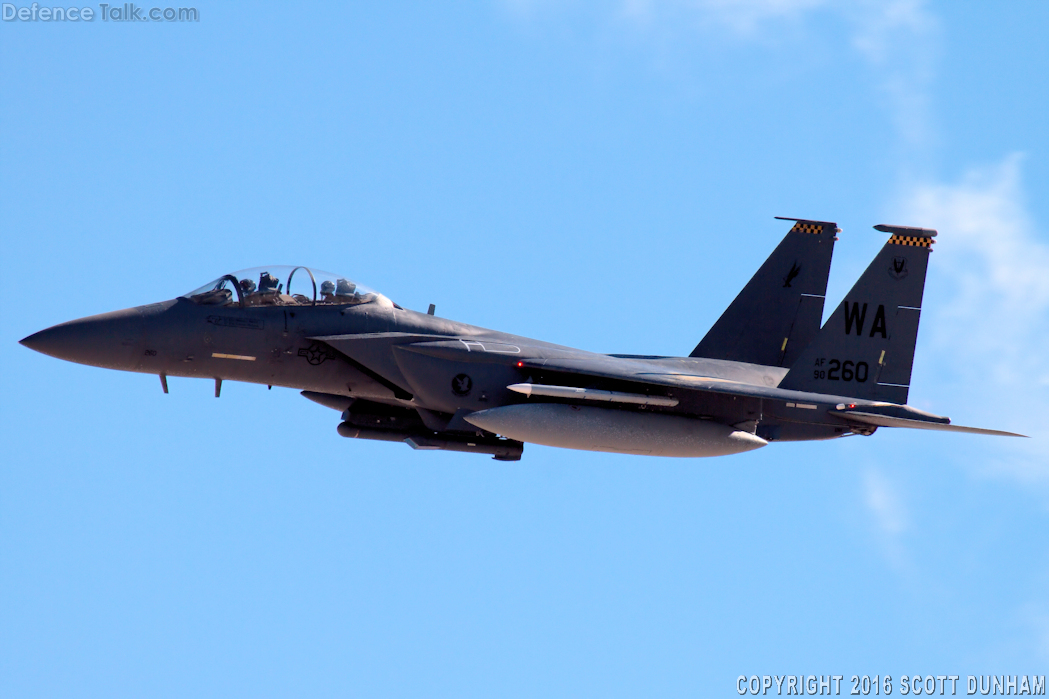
(520, 364)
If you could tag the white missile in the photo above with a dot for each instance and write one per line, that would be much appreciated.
(621, 431)
(537, 389)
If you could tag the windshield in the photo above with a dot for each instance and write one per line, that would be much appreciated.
(285, 286)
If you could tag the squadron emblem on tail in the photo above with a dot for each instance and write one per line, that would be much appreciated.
(899, 268)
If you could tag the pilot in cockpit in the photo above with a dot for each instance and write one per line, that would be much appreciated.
(328, 292)
(268, 284)
(247, 287)
(345, 290)
(269, 289)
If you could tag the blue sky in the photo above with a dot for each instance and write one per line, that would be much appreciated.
(602, 175)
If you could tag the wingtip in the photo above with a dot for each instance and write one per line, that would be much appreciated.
(989, 433)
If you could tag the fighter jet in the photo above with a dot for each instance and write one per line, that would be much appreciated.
(766, 371)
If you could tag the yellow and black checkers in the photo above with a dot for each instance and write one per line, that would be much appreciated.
(815, 228)
(911, 240)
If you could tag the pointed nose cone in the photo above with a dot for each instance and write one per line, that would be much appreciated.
(110, 340)
(39, 342)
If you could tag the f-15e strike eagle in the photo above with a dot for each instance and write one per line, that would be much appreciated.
(766, 372)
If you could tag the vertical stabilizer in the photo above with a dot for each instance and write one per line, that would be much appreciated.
(779, 311)
(866, 348)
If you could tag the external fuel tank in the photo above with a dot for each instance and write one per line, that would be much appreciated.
(621, 431)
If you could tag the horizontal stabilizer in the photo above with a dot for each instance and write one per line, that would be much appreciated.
(877, 420)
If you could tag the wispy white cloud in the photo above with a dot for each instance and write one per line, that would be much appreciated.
(742, 17)
(897, 39)
(900, 41)
(884, 503)
(1034, 618)
(888, 511)
(880, 26)
(987, 304)
(991, 249)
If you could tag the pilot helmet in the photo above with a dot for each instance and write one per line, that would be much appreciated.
(247, 286)
(345, 288)
(267, 282)
(328, 287)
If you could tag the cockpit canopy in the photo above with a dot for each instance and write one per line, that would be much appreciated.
(285, 286)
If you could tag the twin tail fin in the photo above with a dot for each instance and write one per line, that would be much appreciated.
(866, 348)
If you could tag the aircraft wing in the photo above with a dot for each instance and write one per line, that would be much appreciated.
(655, 372)
(890, 421)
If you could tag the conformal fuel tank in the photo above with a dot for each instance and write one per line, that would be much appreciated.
(621, 431)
